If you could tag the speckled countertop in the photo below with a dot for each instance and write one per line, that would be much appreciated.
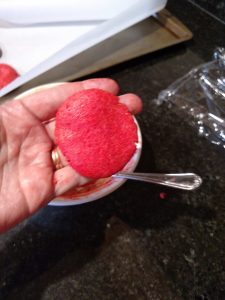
(132, 244)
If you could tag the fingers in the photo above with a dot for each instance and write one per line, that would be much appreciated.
(44, 104)
(67, 178)
(133, 102)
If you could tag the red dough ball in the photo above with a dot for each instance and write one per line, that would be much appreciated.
(7, 74)
(96, 133)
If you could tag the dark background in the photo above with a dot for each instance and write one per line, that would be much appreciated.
(215, 7)
(132, 244)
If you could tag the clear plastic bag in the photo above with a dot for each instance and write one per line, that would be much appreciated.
(200, 96)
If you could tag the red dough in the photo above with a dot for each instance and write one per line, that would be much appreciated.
(96, 133)
(7, 74)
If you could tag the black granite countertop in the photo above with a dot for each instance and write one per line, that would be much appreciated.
(132, 244)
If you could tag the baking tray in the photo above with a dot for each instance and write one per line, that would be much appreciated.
(152, 34)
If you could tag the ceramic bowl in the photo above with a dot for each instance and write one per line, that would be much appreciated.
(98, 188)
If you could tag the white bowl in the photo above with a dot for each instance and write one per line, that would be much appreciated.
(98, 188)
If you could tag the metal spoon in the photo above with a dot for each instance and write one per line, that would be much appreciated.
(183, 181)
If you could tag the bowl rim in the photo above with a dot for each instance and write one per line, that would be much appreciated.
(114, 183)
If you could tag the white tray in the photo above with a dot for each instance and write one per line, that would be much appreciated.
(33, 47)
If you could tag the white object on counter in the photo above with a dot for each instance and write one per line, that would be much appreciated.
(34, 50)
(26, 12)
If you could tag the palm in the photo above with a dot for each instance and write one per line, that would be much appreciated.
(28, 180)
(26, 174)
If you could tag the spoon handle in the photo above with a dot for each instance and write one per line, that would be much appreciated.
(183, 181)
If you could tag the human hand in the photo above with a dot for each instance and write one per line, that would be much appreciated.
(28, 180)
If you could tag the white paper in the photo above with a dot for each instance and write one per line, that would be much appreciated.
(25, 48)
(47, 11)
(33, 55)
